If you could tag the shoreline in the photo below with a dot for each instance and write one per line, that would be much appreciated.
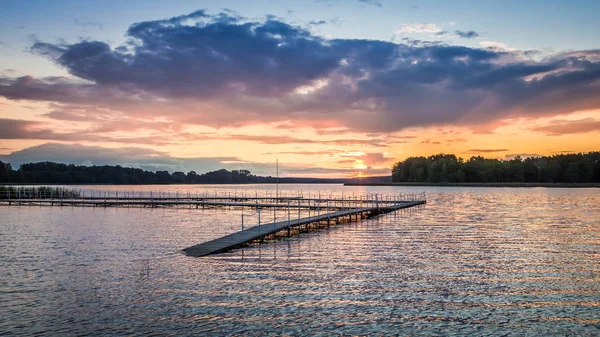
(167, 184)
(421, 184)
(555, 185)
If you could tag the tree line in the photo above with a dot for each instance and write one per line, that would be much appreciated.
(57, 173)
(561, 168)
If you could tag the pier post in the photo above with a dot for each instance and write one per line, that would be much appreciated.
(328, 212)
(288, 229)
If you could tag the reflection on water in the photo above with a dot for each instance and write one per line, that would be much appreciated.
(474, 261)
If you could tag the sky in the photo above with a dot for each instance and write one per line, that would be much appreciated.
(329, 88)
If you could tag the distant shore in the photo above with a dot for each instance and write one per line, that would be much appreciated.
(563, 185)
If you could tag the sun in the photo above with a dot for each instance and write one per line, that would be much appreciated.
(360, 165)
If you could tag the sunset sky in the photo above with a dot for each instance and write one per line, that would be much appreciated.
(329, 88)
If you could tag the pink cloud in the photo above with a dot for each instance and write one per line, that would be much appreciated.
(565, 127)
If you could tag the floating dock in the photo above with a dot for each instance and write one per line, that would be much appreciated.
(333, 209)
(260, 232)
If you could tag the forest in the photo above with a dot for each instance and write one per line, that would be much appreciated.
(56, 173)
(561, 168)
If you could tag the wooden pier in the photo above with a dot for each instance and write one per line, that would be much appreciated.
(326, 211)
(152, 200)
(259, 233)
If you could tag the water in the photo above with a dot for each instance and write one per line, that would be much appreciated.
(474, 261)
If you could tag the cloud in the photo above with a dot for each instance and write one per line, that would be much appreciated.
(429, 141)
(375, 159)
(162, 133)
(25, 129)
(317, 23)
(313, 171)
(466, 34)
(88, 24)
(305, 153)
(223, 70)
(419, 28)
(376, 3)
(486, 150)
(265, 139)
(497, 46)
(565, 127)
(456, 140)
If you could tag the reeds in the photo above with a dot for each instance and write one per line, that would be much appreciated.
(37, 192)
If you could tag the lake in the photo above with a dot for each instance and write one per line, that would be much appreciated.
(473, 261)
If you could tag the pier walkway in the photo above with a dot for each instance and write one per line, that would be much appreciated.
(326, 210)
(258, 233)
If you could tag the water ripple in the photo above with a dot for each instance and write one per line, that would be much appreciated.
(474, 261)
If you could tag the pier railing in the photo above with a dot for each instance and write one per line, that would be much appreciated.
(167, 198)
(291, 212)
(257, 207)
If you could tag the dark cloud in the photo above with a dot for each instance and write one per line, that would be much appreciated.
(188, 67)
(467, 34)
(442, 33)
(317, 23)
(17, 129)
(565, 127)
